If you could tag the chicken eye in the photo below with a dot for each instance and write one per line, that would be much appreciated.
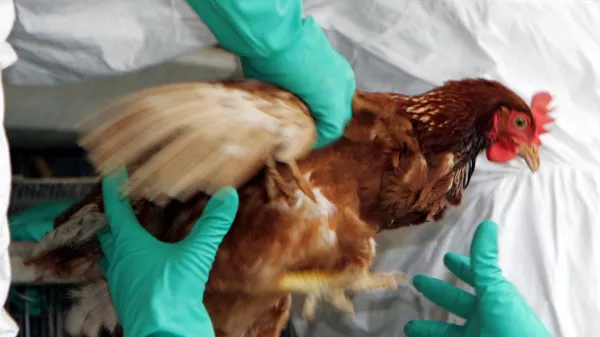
(520, 122)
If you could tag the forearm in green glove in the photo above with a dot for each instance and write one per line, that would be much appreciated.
(277, 45)
(496, 310)
(157, 288)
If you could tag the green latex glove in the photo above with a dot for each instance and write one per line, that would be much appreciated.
(277, 45)
(497, 309)
(34, 222)
(157, 288)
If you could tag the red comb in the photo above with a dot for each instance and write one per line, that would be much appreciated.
(540, 110)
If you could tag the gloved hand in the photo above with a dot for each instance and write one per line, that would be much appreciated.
(157, 288)
(33, 223)
(497, 309)
(278, 46)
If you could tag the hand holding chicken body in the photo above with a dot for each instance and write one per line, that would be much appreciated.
(157, 287)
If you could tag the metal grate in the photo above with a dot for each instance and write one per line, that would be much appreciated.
(30, 192)
(39, 310)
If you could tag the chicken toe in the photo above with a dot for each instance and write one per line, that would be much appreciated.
(374, 281)
(335, 297)
(331, 287)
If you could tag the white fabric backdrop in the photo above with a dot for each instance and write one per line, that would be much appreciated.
(549, 221)
(8, 327)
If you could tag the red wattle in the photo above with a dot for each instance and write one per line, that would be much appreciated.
(500, 152)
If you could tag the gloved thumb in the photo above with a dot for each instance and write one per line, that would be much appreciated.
(218, 215)
(118, 210)
(327, 133)
(484, 255)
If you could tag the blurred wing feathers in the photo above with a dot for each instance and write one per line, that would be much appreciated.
(178, 139)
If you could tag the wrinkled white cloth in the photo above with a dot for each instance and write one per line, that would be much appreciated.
(549, 221)
(8, 327)
(62, 41)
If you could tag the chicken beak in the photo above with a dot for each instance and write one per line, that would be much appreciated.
(529, 152)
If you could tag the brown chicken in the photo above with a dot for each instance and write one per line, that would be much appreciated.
(402, 161)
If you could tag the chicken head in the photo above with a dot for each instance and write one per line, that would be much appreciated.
(517, 133)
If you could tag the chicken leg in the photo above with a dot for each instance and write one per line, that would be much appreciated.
(330, 287)
(356, 245)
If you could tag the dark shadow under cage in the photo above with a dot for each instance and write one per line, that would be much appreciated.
(39, 309)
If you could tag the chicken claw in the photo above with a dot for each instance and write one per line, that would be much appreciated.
(336, 298)
(330, 287)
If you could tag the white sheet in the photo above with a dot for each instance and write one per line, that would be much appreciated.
(62, 41)
(549, 221)
(8, 327)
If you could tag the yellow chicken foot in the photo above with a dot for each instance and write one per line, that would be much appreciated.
(335, 297)
(330, 287)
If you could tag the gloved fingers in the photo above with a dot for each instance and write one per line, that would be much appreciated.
(447, 296)
(118, 210)
(460, 266)
(328, 132)
(216, 219)
(335, 111)
(331, 124)
(107, 242)
(103, 265)
(423, 328)
(484, 255)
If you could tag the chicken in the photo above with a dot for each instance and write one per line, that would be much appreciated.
(305, 227)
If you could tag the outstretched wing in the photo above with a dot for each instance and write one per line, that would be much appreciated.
(179, 139)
